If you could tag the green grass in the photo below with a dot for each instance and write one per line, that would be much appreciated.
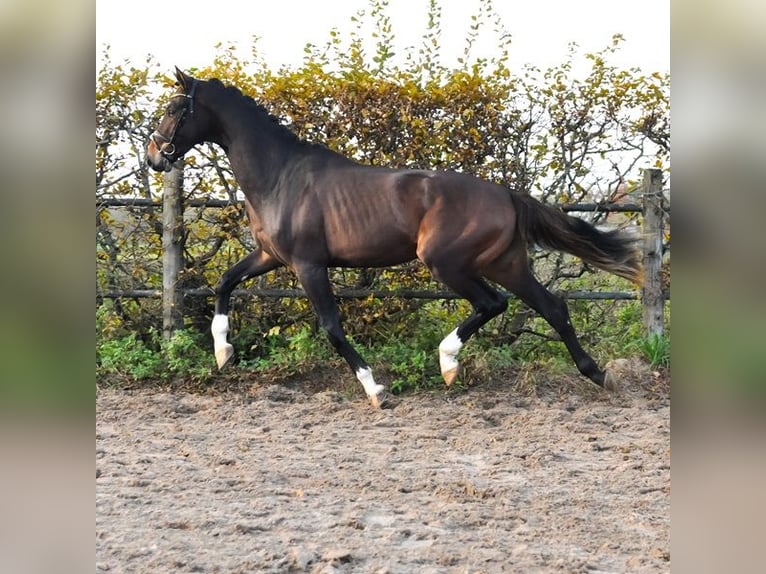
(403, 349)
(656, 349)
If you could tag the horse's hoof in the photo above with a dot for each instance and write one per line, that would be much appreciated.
(224, 356)
(451, 375)
(379, 399)
(610, 381)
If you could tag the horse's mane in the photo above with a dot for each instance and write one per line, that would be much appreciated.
(263, 114)
(236, 92)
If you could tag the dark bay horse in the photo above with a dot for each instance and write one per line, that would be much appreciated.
(310, 208)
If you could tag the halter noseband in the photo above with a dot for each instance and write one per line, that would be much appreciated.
(169, 148)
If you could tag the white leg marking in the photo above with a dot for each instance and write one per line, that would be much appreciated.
(219, 328)
(224, 351)
(370, 386)
(448, 350)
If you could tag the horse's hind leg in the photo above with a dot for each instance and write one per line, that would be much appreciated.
(518, 279)
(252, 265)
(486, 302)
(316, 283)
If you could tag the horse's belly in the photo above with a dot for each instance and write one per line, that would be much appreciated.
(372, 249)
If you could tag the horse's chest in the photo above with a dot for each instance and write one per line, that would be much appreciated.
(283, 235)
(265, 229)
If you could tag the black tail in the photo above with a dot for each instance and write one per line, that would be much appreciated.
(613, 251)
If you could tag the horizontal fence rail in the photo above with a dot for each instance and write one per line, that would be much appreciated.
(360, 294)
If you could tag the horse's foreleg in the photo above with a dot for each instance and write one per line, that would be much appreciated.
(254, 264)
(316, 282)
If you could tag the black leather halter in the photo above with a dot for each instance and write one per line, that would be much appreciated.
(165, 143)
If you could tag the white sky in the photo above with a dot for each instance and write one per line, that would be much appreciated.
(185, 33)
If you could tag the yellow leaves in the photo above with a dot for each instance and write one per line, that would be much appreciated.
(109, 323)
(274, 331)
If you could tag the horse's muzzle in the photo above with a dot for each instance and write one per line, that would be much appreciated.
(155, 158)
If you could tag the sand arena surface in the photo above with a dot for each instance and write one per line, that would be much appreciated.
(297, 478)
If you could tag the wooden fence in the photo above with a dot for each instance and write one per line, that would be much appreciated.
(652, 295)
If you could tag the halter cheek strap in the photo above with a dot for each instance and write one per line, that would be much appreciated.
(165, 143)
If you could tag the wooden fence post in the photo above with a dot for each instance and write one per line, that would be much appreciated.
(172, 250)
(652, 297)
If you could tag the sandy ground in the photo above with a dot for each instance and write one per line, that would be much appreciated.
(291, 477)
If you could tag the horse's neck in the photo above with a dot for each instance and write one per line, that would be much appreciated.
(255, 150)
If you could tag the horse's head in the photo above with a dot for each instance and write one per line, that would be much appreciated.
(181, 128)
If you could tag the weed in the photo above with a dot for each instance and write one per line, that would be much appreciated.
(181, 355)
(656, 348)
(288, 350)
(412, 367)
(131, 356)
(185, 356)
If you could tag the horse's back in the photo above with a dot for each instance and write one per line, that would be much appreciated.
(377, 216)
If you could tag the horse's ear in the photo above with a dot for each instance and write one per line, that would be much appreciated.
(183, 79)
